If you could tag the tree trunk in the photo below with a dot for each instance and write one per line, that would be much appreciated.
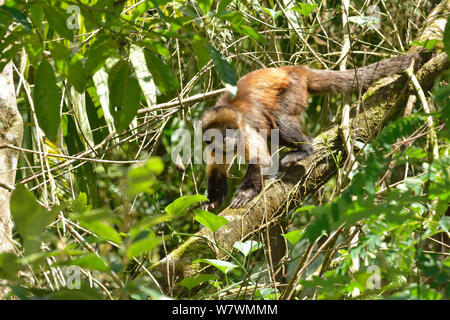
(11, 129)
(11, 132)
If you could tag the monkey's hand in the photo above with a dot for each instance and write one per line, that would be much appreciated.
(211, 206)
(242, 197)
(295, 156)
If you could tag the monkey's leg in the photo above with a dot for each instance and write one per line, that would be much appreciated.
(250, 187)
(291, 136)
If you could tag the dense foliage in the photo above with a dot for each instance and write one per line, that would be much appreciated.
(102, 87)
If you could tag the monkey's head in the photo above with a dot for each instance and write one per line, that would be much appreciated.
(220, 126)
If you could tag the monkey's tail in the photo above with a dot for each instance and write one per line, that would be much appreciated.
(331, 81)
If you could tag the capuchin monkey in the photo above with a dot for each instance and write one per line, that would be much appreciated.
(270, 99)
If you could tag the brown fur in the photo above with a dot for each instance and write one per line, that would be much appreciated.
(272, 98)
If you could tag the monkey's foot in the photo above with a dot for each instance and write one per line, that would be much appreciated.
(295, 156)
(242, 197)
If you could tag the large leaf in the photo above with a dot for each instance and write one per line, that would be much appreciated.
(200, 52)
(192, 282)
(447, 36)
(223, 266)
(18, 15)
(305, 9)
(247, 247)
(143, 177)
(46, 100)
(98, 52)
(90, 261)
(294, 236)
(101, 90)
(57, 19)
(30, 218)
(144, 242)
(102, 229)
(210, 220)
(165, 80)
(182, 204)
(84, 293)
(238, 23)
(34, 47)
(144, 76)
(223, 5)
(86, 175)
(205, 5)
(124, 95)
(224, 69)
(9, 266)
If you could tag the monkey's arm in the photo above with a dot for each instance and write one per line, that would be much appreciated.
(217, 185)
(258, 156)
(250, 187)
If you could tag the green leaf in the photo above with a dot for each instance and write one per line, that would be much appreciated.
(413, 292)
(124, 95)
(84, 293)
(102, 229)
(427, 44)
(445, 223)
(364, 21)
(223, 5)
(37, 16)
(200, 52)
(317, 227)
(98, 52)
(143, 177)
(8, 55)
(30, 218)
(247, 247)
(273, 13)
(305, 9)
(237, 22)
(90, 261)
(223, 266)
(181, 205)
(252, 33)
(165, 80)
(224, 69)
(9, 266)
(86, 175)
(209, 220)
(79, 205)
(69, 65)
(57, 19)
(46, 100)
(204, 5)
(33, 47)
(192, 282)
(446, 262)
(77, 74)
(305, 208)
(447, 37)
(294, 236)
(143, 75)
(18, 15)
(144, 242)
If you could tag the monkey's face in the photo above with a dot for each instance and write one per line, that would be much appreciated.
(223, 140)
